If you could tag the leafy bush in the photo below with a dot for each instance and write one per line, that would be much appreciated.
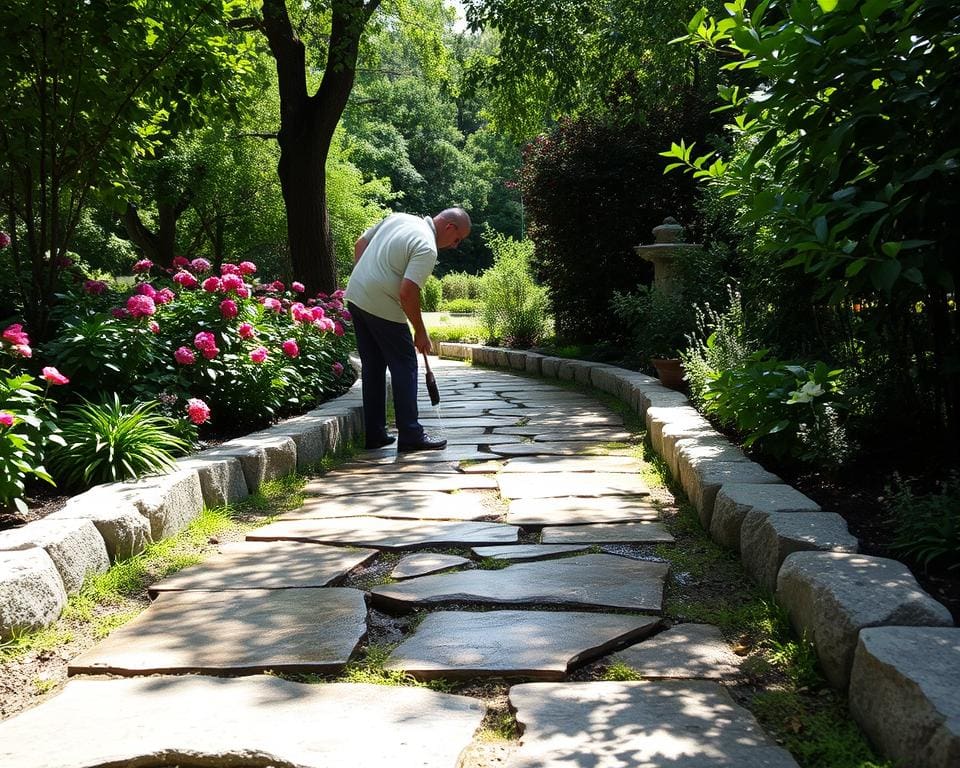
(928, 525)
(514, 306)
(787, 408)
(461, 305)
(111, 441)
(658, 322)
(431, 294)
(460, 285)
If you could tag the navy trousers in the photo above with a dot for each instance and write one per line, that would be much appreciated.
(384, 344)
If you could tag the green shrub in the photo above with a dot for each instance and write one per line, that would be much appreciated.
(431, 294)
(111, 441)
(514, 306)
(657, 322)
(460, 285)
(928, 525)
(461, 305)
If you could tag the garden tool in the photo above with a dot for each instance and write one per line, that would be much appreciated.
(431, 383)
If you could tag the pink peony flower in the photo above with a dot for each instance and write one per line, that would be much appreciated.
(4, 240)
(345, 314)
(145, 289)
(277, 286)
(154, 326)
(164, 296)
(185, 280)
(325, 324)
(23, 350)
(229, 269)
(339, 293)
(318, 312)
(6, 418)
(54, 376)
(144, 265)
(228, 309)
(231, 282)
(211, 284)
(297, 287)
(338, 329)
(185, 356)
(247, 268)
(205, 340)
(140, 306)
(258, 355)
(322, 295)
(15, 335)
(200, 266)
(246, 331)
(290, 348)
(273, 304)
(197, 410)
(244, 292)
(94, 287)
(180, 262)
(119, 313)
(209, 352)
(337, 369)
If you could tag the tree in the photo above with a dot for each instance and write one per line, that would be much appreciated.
(85, 87)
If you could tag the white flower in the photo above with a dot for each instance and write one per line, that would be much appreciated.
(806, 393)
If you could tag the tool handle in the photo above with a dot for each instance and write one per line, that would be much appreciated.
(426, 362)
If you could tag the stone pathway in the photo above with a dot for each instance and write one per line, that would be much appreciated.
(507, 536)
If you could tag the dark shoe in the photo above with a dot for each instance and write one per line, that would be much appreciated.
(425, 443)
(372, 445)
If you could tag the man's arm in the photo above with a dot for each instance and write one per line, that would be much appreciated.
(358, 249)
(410, 301)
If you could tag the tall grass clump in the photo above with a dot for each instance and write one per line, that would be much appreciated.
(514, 308)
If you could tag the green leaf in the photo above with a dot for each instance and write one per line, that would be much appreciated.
(885, 274)
(827, 5)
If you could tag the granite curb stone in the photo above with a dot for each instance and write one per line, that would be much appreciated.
(222, 480)
(124, 530)
(75, 547)
(709, 477)
(735, 500)
(31, 591)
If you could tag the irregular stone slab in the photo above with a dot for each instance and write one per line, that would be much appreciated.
(266, 565)
(31, 591)
(422, 563)
(386, 534)
(124, 530)
(686, 651)
(538, 464)
(481, 422)
(381, 461)
(541, 435)
(406, 506)
(832, 596)
(586, 581)
(75, 546)
(522, 552)
(767, 539)
(545, 449)
(451, 453)
(542, 645)
(222, 480)
(903, 693)
(573, 422)
(710, 476)
(483, 467)
(244, 632)
(345, 483)
(259, 720)
(580, 484)
(735, 500)
(607, 533)
(577, 510)
(681, 724)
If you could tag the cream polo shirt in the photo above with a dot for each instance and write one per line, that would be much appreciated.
(401, 246)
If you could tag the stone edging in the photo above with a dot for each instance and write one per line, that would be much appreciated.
(46, 560)
(879, 637)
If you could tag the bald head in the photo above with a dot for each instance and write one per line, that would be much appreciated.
(452, 225)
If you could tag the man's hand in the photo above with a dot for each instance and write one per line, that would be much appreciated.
(410, 301)
(421, 340)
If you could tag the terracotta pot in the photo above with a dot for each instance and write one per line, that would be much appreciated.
(670, 372)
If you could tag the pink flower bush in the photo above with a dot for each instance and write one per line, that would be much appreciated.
(94, 287)
(231, 282)
(247, 268)
(246, 331)
(185, 356)
(258, 355)
(337, 369)
(145, 289)
(6, 418)
(200, 266)
(290, 348)
(244, 292)
(338, 329)
(153, 326)
(185, 280)
(164, 296)
(297, 287)
(119, 313)
(345, 314)
(277, 286)
(272, 304)
(198, 411)
(141, 306)
(14, 334)
(205, 340)
(228, 309)
(144, 265)
(211, 284)
(179, 262)
(210, 352)
(54, 376)
(229, 269)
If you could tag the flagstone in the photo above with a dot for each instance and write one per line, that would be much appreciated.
(242, 632)
(402, 505)
(581, 510)
(368, 464)
(573, 484)
(541, 435)
(605, 581)
(266, 565)
(347, 483)
(466, 421)
(450, 453)
(683, 724)
(520, 552)
(386, 534)
(423, 563)
(544, 449)
(607, 533)
(541, 645)
(262, 720)
(684, 651)
(573, 464)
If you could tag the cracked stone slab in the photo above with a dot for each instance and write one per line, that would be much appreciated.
(607, 533)
(520, 552)
(571, 448)
(550, 485)
(244, 632)
(423, 563)
(345, 483)
(385, 533)
(587, 581)
(537, 464)
(686, 651)
(681, 724)
(541, 645)
(576, 510)
(266, 565)
(434, 505)
(258, 721)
